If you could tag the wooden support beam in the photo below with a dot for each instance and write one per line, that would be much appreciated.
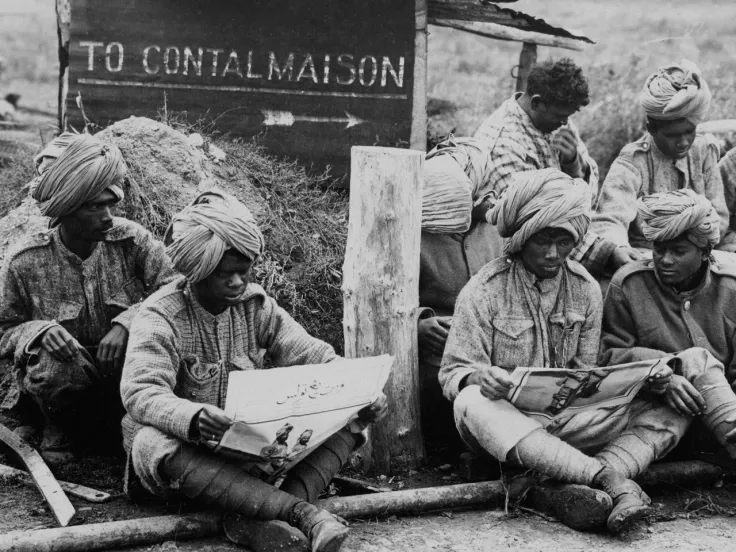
(418, 137)
(381, 291)
(527, 59)
(501, 32)
(63, 30)
(114, 534)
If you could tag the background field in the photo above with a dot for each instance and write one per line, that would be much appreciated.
(473, 74)
(633, 38)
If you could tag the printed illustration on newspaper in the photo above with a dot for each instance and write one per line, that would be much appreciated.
(283, 414)
(545, 393)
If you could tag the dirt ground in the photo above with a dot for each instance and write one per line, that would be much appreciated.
(699, 519)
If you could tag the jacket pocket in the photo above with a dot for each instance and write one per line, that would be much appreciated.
(512, 340)
(130, 293)
(565, 334)
(200, 381)
(45, 308)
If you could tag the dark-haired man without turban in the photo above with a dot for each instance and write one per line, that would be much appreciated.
(536, 308)
(683, 298)
(670, 156)
(68, 295)
(185, 341)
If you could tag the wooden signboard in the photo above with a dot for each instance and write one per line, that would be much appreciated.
(312, 77)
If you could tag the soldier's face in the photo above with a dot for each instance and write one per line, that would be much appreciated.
(677, 261)
(548, 118)
(544, 252)
(226, 285)
(93, 219)
(673, 138)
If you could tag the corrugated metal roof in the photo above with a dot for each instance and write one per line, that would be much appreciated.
(491, 12)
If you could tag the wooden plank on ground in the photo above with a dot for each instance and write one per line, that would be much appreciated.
(45, 481)
(74, 489)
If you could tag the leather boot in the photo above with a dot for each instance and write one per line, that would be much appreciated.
(264, 536)
(326, 531)
(630, 503)
(55, 446)
(577, 506)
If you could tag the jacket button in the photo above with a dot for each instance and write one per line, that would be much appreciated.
(686, 305)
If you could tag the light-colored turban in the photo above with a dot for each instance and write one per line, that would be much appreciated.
(667, 215)
(676, 92)
(541, 199)
(203, 231)
(74, 169)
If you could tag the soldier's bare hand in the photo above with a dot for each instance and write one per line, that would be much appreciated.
(433, 332)
(59, 343)
(566, 143)
(659, 381)
(375, 411)
(212, 423)
(494, 382)
(111, 351)
(683, 397)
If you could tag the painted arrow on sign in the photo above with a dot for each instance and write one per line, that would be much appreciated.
(287, 118)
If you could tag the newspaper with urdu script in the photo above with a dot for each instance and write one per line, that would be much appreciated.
(547, 393)
(283, 414)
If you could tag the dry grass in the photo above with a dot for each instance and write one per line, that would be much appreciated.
(633, 39)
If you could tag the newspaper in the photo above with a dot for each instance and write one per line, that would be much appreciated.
(283, 414)
(545, 393)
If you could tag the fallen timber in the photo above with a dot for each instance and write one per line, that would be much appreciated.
(132, 532)
(43, 478)
(74, 489)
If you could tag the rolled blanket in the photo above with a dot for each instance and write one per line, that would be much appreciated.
(666, 215)
(203, 231)
(676, 92)
(541, 199)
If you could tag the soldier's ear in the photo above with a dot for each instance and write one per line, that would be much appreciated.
(536, 101)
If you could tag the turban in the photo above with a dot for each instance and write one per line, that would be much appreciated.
(541, 199)
(667, 215)
(73, 170)
(203, 231)
(676, 92)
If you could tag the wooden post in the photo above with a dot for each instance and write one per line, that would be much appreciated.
(527, 59)
(63, 30)
(418, 138)
(381, 291)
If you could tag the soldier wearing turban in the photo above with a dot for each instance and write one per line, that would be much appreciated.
(68, 295)
(670, 156)
(682, 299)
(537, 308)
(185, 341)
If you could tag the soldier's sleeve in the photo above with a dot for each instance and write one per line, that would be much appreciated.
(616, 208)
(286, 341)
(590, 332)
(619, 341)
(155, 269)
(17, 329)
(714, 189)
(469, 344)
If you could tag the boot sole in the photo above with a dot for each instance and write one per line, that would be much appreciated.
(264, 536)
(623, 520)
(334, 544)
(576, 506)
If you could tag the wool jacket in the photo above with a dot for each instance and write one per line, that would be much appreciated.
(508, 318)
(179, 355)
(646, 319)
(43, 283)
